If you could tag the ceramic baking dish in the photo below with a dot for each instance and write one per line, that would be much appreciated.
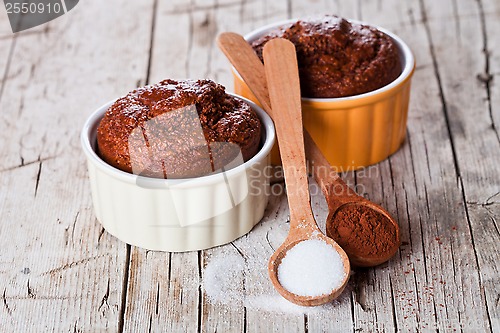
(356, 131)
(179, 214)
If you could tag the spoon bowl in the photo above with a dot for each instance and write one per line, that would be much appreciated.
(296, 236)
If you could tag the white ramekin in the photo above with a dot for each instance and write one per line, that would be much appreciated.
(178, 215)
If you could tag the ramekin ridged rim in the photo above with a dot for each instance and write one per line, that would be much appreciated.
(405, 75)
(93, 120)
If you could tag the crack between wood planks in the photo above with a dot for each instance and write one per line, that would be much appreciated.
(75, 220)
(245, 323)
(9, 311)
(169, 268)
(354, 329)
(392, 185)
(410, 242)
(445, 300)
(212, 32)
(200, 291)
(24, 164)
(417, 297)
(483, 296)
(104, 306)
(239, 251)
(412, 160)
(7, 65)
(30, 291)
(427, 157)
(424, 256)
(190, 38)
(37, 183)
(488, 77)
(440, 85)
(469, 225)
(72, 264)
(101, 233)
(157, 298)
(151, 41)
(268, 241)
(374, 309)
(121, 315)
(150, 323)
(394, 317)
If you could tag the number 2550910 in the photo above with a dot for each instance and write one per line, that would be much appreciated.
(32, 8)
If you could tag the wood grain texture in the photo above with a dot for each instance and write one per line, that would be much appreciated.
(60, 271)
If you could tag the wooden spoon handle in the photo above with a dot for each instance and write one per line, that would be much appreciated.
(333, 187)
(245, 61)
(282, 74)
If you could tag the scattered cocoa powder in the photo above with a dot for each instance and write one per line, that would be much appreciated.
(363, 232)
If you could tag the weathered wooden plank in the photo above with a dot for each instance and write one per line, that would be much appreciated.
(440, 217)
(163, 292)
(489, 210)
(59, 270)
(463, 66)
(447, 234)
(6, 45)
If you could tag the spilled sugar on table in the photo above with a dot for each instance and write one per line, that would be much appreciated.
(60, 271)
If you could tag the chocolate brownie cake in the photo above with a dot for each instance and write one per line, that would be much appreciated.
(178, 129)
(337, 58)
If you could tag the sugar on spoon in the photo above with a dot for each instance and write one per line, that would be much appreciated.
(340, 198)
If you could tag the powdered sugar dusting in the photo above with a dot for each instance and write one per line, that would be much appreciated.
(235, 275)
(224, 277)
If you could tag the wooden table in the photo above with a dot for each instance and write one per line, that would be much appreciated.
(60, 271)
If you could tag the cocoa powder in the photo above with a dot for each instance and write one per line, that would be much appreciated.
(363, 232)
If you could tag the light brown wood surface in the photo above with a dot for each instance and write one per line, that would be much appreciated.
(59, 271)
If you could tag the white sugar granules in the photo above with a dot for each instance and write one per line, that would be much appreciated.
(223, 279)
(311, 268)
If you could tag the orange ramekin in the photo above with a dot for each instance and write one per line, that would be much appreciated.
(355, 131)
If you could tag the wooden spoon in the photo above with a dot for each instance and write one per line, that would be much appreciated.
(338, 195)
(371, 221)
(284, 90)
